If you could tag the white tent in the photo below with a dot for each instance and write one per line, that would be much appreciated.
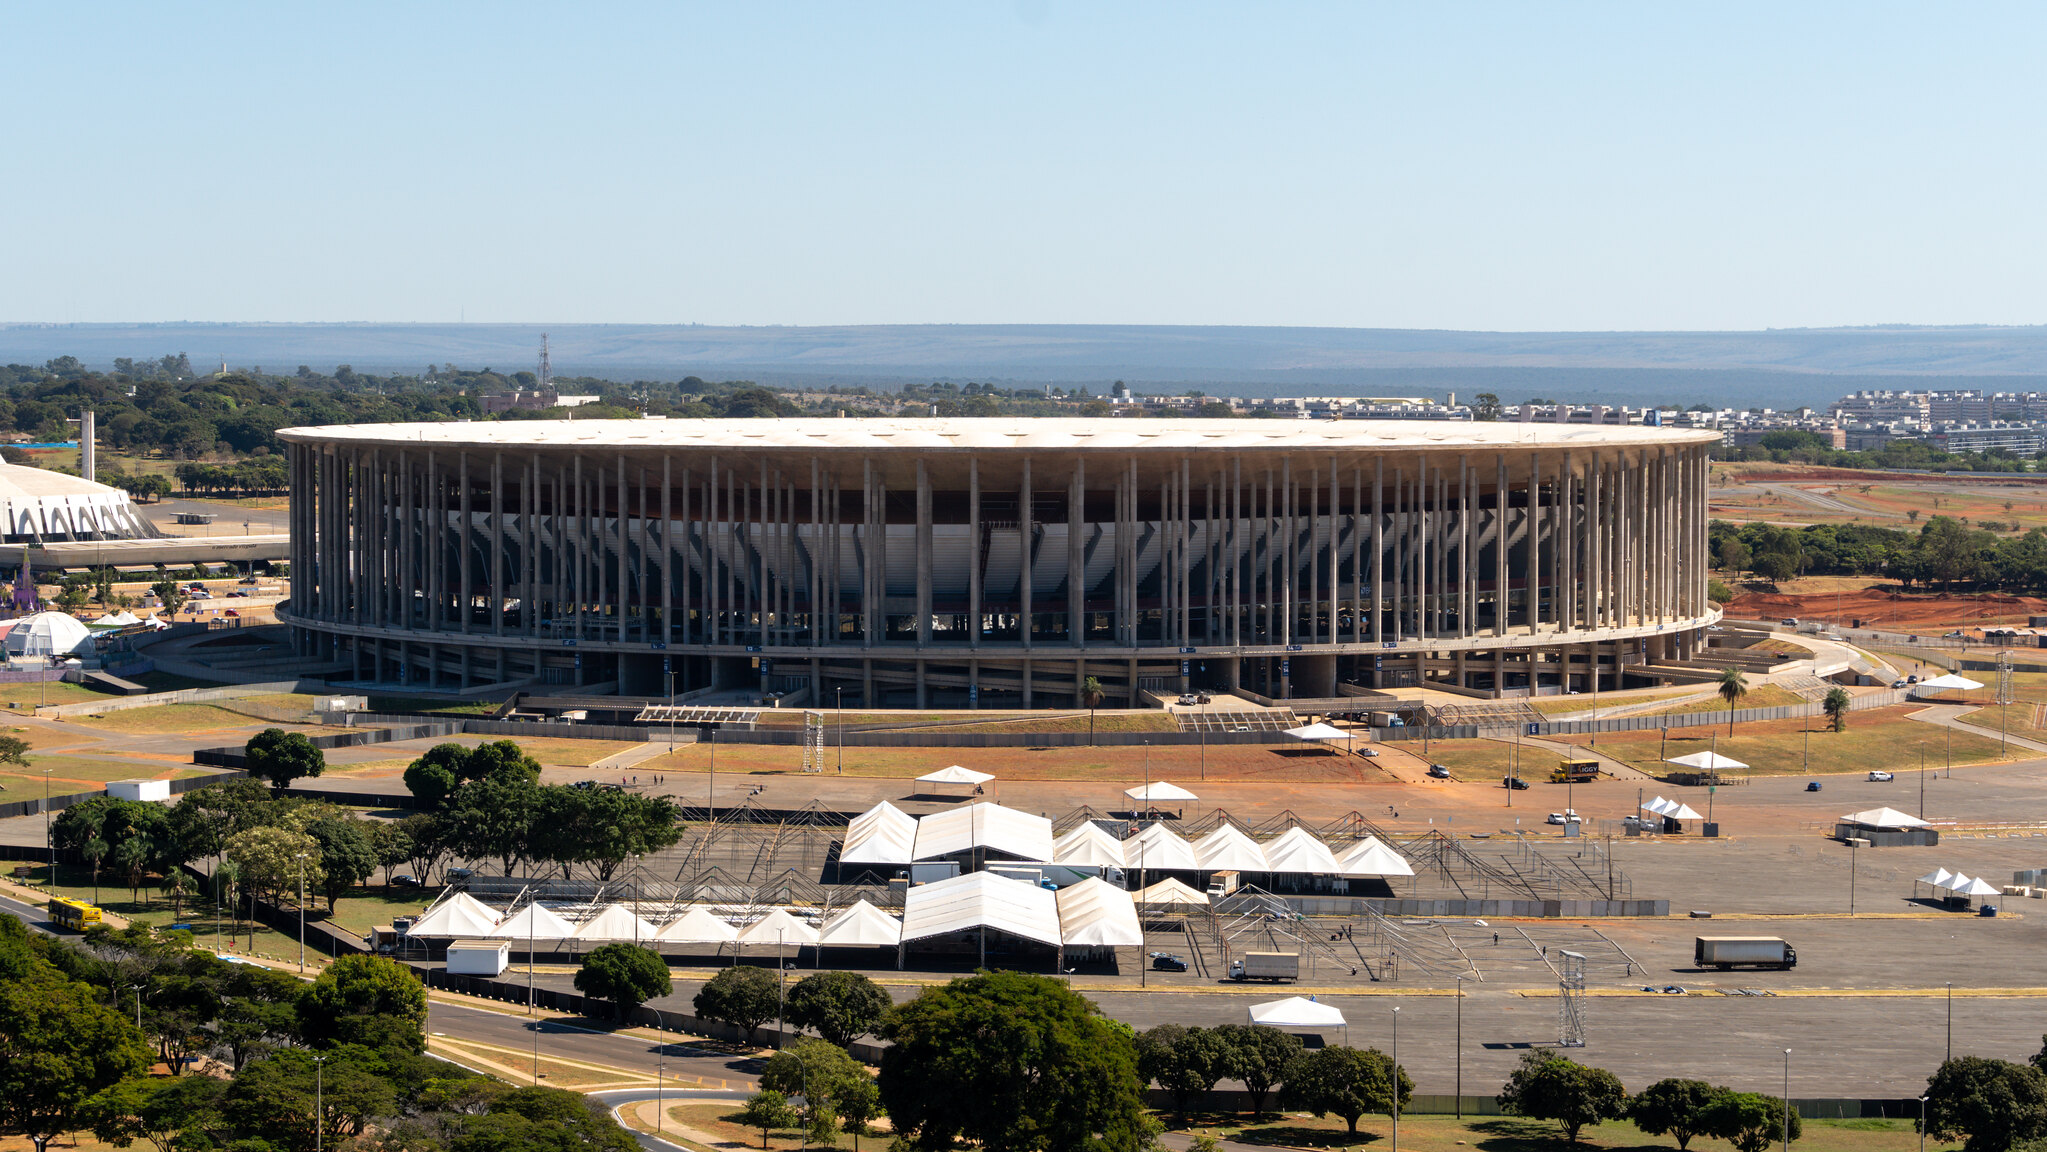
(984, 825)
(1169, 893)
(120, 619)
(1299, 852)
(615, 922)
(1097, 914)
(1157, 849)
(1939, 878)
(697, 926)
(1370, 857)
(1318, 731)
(981, 900)
(1228, 848)
(862, 926)
(1297, 1012)
(1976, 887)
(1707, 761)
(955, 775)
(1947, 683)
(1673, 809)
(533, 922)
(778, 927)
(884, 834)
(1885, 818)
(1158, 792)
(1089, 845)
(48, 634)
(458, 915)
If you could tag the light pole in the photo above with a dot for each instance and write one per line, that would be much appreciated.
(1922, 1124)
(302, 912)
(711, 797)
(48, 842)
(1851, 875)
(781, 983)
(1950, 1021)
(1395, 1078)
(137, 989)
(1460, 1053)
(660, 1069)
(319, 1102)
(839, 694)
(1787, 1100)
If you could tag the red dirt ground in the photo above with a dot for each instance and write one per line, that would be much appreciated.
(1891, 611)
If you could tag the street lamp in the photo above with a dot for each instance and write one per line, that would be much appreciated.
(137, 989)
(660, 1069)
(839, 693)
(1950, 1020)
(1922, 1124)
(319, 1102)
(1460, 1053)
(48, 842)
(1787, 1100)
(1395, 1078)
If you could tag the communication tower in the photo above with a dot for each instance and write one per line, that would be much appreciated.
(813, 742)
(546, 368)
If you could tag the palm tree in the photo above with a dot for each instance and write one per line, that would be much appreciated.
(1733, 686)
(225, 875)
(1836, 707)
(133, 857)
(1091, 695)
(175, 884)
(94, 850)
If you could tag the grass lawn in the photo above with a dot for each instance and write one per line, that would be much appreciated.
(2020, 719)
(1514, 1134)
(1759, 696)
(77, 774)
(433, 706)
(1484, 761)
(1878, 739)
(287, 708)
(1179, 763)
(1582, 702)
(154, 908)
(165, 719)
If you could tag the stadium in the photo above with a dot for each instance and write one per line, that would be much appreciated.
(1000, 563)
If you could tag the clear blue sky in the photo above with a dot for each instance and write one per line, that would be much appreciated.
(1511, 166)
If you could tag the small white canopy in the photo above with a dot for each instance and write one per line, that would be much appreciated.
(616, 922)
(985, 825)
(955, 775)
(1707, 761)
(458, 915)
(1097, 914)
(1949, 682)
(778, 927)
(1159, 792)
(1297, 851)
(1227, 848)
(697, 926)
(1976, 887)
(884, 834)
(981, 900)
(1169, 892)
(120, 619)
(1939, 878)
(862, 926)
(1158, 849)
(533, 922)
(1885, 818)
(1089, 845)
(1297, 1012)
(1673, 809)
(1370, 857)
(1318, 731)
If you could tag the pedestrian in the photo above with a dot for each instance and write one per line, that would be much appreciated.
(1496, 939)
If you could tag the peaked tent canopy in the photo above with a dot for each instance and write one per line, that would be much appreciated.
(884, 834)
(985, 825)
(1708, 761)
(1297, 851)
(1977, 887)
(1318, 731)
(981, 900)
(1370, 857)
(955, 775)
(458, 915)
(697, 926)
(615, 922)
(778, 927)
(1159, 791)
(1228, 848)
(1885, 818)
(862, 926)
(533, 922)
(1097, 914)
(1297, 1012)
(1089, 845)
(1949, 682)
(1170, 892)
(1157, 849)
(1939, 878)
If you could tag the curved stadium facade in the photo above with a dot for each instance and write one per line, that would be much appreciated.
(1000, 562)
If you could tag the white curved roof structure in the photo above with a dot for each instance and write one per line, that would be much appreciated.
(1090, 846)
(1169, 893)
(1369, 857)
(697, 926)
(985, 825)
(884, 834)
(1228, 848)
(48, 634)
(616, 922)
(981, 900)
(1297, 851)
(458, 915)
(1097, 914)
(533, 922)
(1158, 848)
(862, 926)
(778, 927)
(48, 506)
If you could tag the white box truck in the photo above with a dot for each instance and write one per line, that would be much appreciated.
(1223, 884)
(1724, 952)
(1274, 966)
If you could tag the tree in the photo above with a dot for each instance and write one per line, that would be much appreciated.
(1734, 555)
(364, 1000)
(625, 974)
(1732, 687)
(1719, 593)
(495, 817)
(742, 996)
(1546, 1086)
(1673, 1108)
(1012, 1062)
(1091, 695)
(275, 860)
(821, 1073)
(1989, 1104)
(274, 1098)
(768, 1111)
(133, 857)
(1749, 1121)
(1486, 406)
(281, 757)
(171, 593)
(434, 776)
(175, 884)
(1259, 1057)
(1835, 705)
(839, 1006)
(13, 750)
(1348, 1082)
(160, 1111)
(1184, 1061)
(602, 828)
(58, 1044)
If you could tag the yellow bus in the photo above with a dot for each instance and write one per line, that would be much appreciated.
(73, 914)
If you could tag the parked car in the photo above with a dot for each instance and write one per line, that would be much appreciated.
(1790, 622)
(198, 594)
(1372, 753)
(1812, 786)
(1564, 817)
(237, 592)
(404, 880)
(1514, 783)
(1881, 777)
(1167, 962)
(1957, 634)
(1897, 683)
(1439, 771)
(1911, 679)
(1188, 700)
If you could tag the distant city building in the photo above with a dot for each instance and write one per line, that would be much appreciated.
(2017, 439)
(533, 400)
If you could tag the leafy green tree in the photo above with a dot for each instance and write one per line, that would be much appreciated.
(13, 750)
(274, 1098)
(742, 996)
(540, 1120)
(1990, 1105)
(1014, 1063)
(601, 827)
(1347, 1082)
(161, 1111)
(133, 857)
(1732, 686)
(275, 859)
(347, 855)
(839, 1006)
(1719, 593)
(1673, 1108)
(1259, 1057)
(625, 974)
(496, 818)
(1546, 1086)
(59, 1045)
(365, 1000)
(1749, 1121)
(768, 1111)
(821, 1073)
(171, 594)
(1485, 406)
(1835, 705)
(1184, 1061)
(281, 757)
(390, 844)
(435, 776)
